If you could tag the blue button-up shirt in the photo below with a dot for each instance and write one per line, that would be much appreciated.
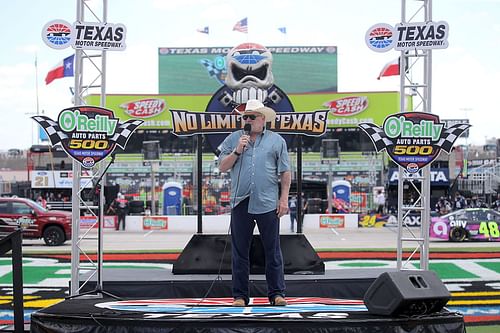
(256, 172)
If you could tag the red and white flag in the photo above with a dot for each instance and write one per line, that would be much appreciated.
(390, 69)
(241, 26)
(62, 69)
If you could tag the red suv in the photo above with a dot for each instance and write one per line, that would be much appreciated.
(51, 225)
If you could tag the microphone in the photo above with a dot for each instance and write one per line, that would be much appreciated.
(246, 131)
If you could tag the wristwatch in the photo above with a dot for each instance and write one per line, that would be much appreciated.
(236, 153)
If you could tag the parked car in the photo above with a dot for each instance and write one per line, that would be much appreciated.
(37, 222)
(480, 224)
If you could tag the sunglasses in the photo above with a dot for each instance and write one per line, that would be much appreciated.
(251, 116)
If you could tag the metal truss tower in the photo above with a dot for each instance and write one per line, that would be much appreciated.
(415, 80)
(90, 76)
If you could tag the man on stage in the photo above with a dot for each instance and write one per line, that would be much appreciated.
(258, 159)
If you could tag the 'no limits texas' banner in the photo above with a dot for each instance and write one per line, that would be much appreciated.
(190, 123)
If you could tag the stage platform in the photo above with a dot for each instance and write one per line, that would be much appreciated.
(158, 301)
(209, 315)
(198, 299)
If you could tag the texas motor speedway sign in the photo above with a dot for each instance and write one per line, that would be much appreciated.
(382, 37)
(60, 34)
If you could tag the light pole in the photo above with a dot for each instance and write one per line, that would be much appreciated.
(151, 155)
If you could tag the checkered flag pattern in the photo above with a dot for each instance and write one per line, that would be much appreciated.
(123, 132)
(379, 139)
(450, 135)
(209, 65)
(52, 129)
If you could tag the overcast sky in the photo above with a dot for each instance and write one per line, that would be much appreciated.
(465, 75)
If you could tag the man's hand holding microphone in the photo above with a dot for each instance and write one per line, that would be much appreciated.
(244, 139)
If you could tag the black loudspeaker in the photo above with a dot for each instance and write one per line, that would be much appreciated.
(203, 255)
(329, 148)
(406, 293)
(135, 207)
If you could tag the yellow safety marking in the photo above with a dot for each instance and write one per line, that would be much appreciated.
(475, 302)
(42, 303)
(475, 293)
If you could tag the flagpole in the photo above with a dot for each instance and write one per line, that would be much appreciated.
(37, 101)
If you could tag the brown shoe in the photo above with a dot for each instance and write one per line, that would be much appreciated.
(239, 302)
(279, 301)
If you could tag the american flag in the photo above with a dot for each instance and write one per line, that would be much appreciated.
(241, 26)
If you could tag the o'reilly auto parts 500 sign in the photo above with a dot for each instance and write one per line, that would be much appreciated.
(88, 133)
(413, 139)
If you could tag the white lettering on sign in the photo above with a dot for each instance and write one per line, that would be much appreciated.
(436, 176)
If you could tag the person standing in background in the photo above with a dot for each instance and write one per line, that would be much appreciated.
(380, 201)
(121, 208)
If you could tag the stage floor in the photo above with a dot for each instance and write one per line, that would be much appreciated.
(303, 314)
(158, 301)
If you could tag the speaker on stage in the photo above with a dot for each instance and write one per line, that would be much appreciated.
(211, 254)
(406, 293)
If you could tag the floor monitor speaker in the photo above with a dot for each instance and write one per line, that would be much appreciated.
(406, 293)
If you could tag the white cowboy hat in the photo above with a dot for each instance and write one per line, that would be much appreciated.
(254, 105)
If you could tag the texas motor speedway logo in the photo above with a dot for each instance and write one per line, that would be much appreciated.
(59, 34)
(189, 308)
(382, 37)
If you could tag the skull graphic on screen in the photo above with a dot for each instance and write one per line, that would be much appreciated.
(249, 72)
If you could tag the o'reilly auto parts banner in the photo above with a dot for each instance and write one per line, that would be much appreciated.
(413, 139)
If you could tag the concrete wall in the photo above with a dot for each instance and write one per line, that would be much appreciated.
(220, 223)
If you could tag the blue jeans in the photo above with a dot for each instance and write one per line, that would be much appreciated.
(242, 226)
(293, 219)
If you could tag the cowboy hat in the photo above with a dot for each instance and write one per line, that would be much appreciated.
(254, 105)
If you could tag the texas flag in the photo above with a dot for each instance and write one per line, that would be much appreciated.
(63, 69)
(390, 69)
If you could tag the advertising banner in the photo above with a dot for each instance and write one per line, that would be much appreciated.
(413, 139)
(382, 37)
(438, 176)
(155, 222)
(88, 133)
(57, 179)
(91, 222)
(331, 221)
(343, 109)
(60, 34)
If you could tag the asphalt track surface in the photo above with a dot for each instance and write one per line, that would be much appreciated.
(323, 240)
(361, 238)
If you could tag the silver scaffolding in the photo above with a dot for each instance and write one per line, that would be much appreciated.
(416, 81)
(93, 65)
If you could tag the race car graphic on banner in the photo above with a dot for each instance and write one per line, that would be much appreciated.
(474, 224)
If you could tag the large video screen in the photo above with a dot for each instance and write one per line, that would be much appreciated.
(202, 70)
